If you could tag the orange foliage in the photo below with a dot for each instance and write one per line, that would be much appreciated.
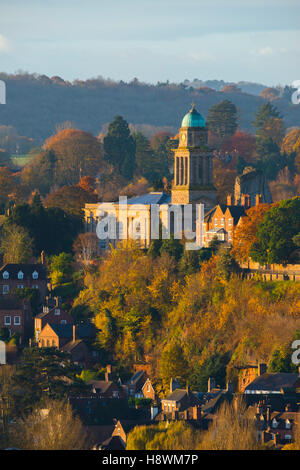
(244, 234)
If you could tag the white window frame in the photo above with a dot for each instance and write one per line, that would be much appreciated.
(6, 275)
(15, 318)
(20, 275)
(7, 323)
(35, 275)
(57, 311)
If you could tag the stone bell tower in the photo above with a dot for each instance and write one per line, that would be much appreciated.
(193, 178)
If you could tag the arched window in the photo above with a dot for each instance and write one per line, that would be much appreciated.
(20, 275)
(35, 275)
(6, 275)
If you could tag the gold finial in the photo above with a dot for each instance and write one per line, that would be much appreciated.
(193, 106)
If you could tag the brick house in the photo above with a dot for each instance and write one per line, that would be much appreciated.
(19, 276)
(135, 384)
(222, 219)
(55, 315)
(15, 315)
(53, 335)
(148, 390)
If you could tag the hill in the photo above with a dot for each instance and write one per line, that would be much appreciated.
(36, 104)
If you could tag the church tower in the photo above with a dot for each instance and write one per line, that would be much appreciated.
(193, 178)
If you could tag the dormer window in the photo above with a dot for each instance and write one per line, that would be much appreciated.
(6, 275)
(274, 423)
(288, 424)
(35, 275)
(20, 275)
(57, 311)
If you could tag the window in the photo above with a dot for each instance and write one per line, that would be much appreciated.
(223, 221)
(274, 423)
(20, 286)
(5, 275)
(35, 286)
(35, 275)
(229, 221)
(288, 424)
(216, 221)
(53, 342)
(5, 289)
(63, 322)
(7, 320)
(20, 275)
(57, 311)
(17, 320)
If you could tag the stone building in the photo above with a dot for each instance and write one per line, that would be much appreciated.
(193, 184)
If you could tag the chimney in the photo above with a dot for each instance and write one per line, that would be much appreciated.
(268, 414)
(74, 333)
(229, 387)
(211, 384)
(258, 199)
(229, 200)
(173, 385)
(262, 369)
(56, 301)
(43, 258)
(196, 412)
(299, 371)
(108, 373)
(245, 201)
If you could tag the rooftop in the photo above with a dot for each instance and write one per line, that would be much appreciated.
(193, 119)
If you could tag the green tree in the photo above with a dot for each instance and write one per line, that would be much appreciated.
(43, 373)
(119, 147)
(266, 112)
(226, 265)
(61, 269)
(222, 119)
(275, 233)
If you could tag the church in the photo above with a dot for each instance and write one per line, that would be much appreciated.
(192, 185)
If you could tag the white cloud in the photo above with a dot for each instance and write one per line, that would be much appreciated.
(264, 51)
(4, 44)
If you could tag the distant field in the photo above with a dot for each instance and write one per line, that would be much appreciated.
(21, 160)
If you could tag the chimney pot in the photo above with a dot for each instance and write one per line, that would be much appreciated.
(229, 199)
(74, 333)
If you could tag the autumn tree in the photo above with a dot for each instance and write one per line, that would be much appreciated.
(173, 363)
(244, 234)
(71, 199)
(86, 247)
(232, 429)
(52, 425)
(16, 244)
(77, 153)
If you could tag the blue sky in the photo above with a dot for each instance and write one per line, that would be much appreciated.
(153, 40)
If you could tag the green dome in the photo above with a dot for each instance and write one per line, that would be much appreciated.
(193, 119)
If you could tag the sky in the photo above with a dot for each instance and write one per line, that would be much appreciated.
(153, 40)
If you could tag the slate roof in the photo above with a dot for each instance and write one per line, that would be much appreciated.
(27, 269)
(72, 345)
(101, 385)
(236, 212)
(112, 443)
(177, 395)
(273, 382)
(66, 331)
(150, 198)
(136, 377)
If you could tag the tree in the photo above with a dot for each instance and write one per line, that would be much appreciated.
(231, 429)
(244, 234)
(174, 436)
(61, 269)
(173, 363)
(77, 153)
(16, 244)
(86, 247)
(40, 172)
(275, 233)
(222, 119)
(43, 373)
(119, 147)
(226, 265)
(71, 199)
(51, 228)
(266, 112)
(50, 426)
